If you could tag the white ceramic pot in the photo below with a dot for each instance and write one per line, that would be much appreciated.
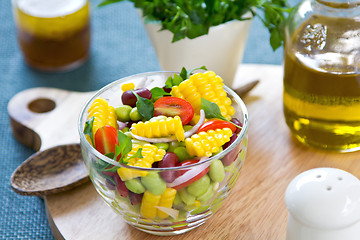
(220, 51)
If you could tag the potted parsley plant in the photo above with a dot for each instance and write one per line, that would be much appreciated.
(213, 33)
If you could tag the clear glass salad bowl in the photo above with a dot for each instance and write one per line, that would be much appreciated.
(212, 179)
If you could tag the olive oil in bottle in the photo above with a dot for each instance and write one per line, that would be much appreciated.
(322, 82)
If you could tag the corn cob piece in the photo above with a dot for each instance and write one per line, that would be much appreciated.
(127, 86)
(150, 155)
(167, 199)
(103, 114)
(148, 203)
(208, 86)
(207, 143)
(160, 128)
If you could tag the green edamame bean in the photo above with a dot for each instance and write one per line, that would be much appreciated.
(200, 209)
(125, 129)
(135, 185)
(186, 197)
(157, 118)
(207, 195)
(123, 113)
(177, 199)
(230, 168)
(164, 146)
(174, 145)
(217, 171)
(199, 187)
(135, 115)
(218, 151)
(154, 183)
(187, 128)
(182, 153)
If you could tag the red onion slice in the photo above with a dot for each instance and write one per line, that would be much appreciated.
(193, 172)
(187, 134)
(194, 129)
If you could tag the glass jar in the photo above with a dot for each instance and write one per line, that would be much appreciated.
(322, 74)
(54, 35)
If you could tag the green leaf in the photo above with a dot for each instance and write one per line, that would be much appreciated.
(212, 110)
(177, 80)
(194, 69)
(174, 81)
(136, 155)
(191, 19)
(106, 2)
(184, 74)
(158, 93)
(88, 129)
(124, 147)
(144, 106)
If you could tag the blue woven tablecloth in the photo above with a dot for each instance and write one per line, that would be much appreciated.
(120, 47)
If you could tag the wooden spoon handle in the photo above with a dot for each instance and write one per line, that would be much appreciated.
(45, 117)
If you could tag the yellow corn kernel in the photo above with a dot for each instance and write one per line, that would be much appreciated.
(103, 114)
(207, 143)
(167, 199)
(148, 203)
(127, 86)
(160, 128)
(150, 154)
(205, 85)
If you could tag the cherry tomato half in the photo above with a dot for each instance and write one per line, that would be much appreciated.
(173, 106)
(215, 123)
(106, 139)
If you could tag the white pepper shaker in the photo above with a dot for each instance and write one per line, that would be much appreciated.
(323, 204)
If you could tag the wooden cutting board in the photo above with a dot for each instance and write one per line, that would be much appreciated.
(255, 208)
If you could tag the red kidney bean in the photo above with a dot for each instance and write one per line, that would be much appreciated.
(232, 139)
(169, 160)
(128, 98)
(229, 158)
(110, 185)
(121, 187)
(237, 122)
(135, 198)
(232, 155)
(168, 90)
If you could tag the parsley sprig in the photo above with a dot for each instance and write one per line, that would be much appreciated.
(193, 18)
(212, 110)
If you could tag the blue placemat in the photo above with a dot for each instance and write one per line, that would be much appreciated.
(120, 47)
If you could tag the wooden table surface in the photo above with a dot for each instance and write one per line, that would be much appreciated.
(255, 208)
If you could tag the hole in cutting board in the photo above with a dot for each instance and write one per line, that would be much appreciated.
(41, 105)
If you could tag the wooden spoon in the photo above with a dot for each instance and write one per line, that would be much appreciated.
(45, 119)
(50, 171)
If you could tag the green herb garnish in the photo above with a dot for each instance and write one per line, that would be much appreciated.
(173, 81)
(193, 18)
(158, 93)
(88, 129)
(124, 147)
(144, 106)
(212, 110)
(187, 74)
(184, 74)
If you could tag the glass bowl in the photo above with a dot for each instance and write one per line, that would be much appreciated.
(213, 178)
